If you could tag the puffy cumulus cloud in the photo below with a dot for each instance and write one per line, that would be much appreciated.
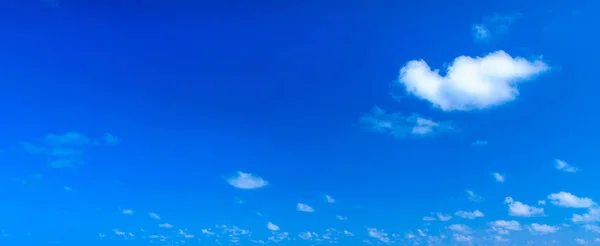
(378, 234)
(443, 217)
(542, 228)
(400, 126)
(304, 208)
(470, 83)
(516, 208)
(307, 235)
(504, 227)
(272, 227)
(246, 181)
(580, 241)
(498, 177)
(461, 228)
(566, 199)
(593, 215)
(469, 215)
(474, 196)
(592, 228)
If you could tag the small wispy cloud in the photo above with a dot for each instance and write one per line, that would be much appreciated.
(165, 225)
(127, 211)
(304, 208)
(329, 199)
(246, 181)
(568, 200)
(461, 228)
(542, 228)
(378, 234)
(111, 139)
(564, 166)
(480, 143)
(61, 150)
(339, 217)
(498, 177)
(400, 126)
(154, 216)
(443, 217)
(474, 196)
(494, 25)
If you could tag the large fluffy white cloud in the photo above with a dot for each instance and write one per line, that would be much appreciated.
(470, 82)
(516, 208)
(566, 199)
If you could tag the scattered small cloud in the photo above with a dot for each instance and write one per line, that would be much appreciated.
(503, 227)
(246, 181)
(154, 216)
(127, 211)
(443, 217)
(470, 83)
(592, 228)
(68, 188)
(272, 227)
(564, 166)
(474, 196)
(469, 215)
(400, 126)
(329, 199)
(593, 215)
(462, 238)
(494, 25)
(580, 241)
(566, 199)
(339, 217)
(461, 228)
(429, 218)
(516, 208)
(118, 232)
(498, 177)
(542, 228)
(304, 208)
(165, 225)
(378, 234)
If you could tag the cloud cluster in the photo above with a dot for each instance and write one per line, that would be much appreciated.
(400, 126)
(470, 83)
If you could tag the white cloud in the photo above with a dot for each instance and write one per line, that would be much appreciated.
(101, 235)
(339, 217)
(185, 235)
(348, 233)
(580, 241)
(165, 225)
(119, 232)
(444, 217)
(592, 215)
(516, 208)
(470, 83)
(480, 32)
(272, 227)
(429, 218)
(469, 215)
(421, 233)
(566, 199)
(543, 228)
(474, 197)
(306, 235)
(461, 228)
(503, 227)
(304, 208)
(398, 125)
(207, 232)
(498, 177)
(154, 216)
(329, 199)
(378, 234)
(592, 228)
(462, 238)
(68, 188)
(127, 211)
(564, 166)
(246, 181)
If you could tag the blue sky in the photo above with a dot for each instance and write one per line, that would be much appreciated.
(299, 123)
